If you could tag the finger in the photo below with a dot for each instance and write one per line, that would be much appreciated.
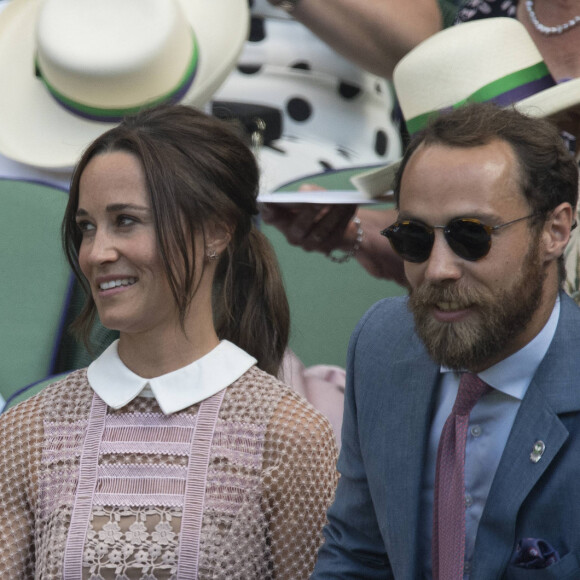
(310, 187)
(303, 223)
(328, 233)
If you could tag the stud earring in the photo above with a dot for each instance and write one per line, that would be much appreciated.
(212, 255)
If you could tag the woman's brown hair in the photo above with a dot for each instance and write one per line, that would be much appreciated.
(198, 170)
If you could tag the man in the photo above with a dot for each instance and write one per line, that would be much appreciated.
(485, 308)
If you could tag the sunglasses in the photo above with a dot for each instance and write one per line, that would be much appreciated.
(469, 238)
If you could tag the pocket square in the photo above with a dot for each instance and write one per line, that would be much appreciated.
(534, 553)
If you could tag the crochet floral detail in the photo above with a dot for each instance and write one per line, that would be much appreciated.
(270, 478)
(122, 541)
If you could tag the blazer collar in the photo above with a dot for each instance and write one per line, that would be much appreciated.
(557, 375)
(553, 391)
(402, 451)
(117, 385)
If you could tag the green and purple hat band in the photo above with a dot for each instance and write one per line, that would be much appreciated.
(114, 115)
(505, 91)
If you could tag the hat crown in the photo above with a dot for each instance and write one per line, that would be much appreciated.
(451, 65)
(113, 54)
(102, 59)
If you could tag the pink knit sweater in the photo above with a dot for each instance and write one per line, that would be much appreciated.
(236, 487)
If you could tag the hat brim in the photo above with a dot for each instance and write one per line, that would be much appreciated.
(379, 182)
(36, 130)
(337, 186)
(557, 99)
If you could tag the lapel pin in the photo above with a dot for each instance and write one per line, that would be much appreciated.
(537, 451)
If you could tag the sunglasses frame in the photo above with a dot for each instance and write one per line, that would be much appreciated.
(430, 231)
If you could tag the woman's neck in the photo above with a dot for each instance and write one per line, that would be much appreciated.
(154, 354)
(561, 52)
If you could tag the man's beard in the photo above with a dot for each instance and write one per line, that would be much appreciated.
(499, 318)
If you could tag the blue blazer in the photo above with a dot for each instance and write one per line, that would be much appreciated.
(374, 522)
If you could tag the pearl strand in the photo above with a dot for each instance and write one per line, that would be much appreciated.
(549, 30)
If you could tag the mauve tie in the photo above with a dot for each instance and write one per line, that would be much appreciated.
(448, 545)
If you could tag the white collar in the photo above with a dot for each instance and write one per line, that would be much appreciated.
(117, 385)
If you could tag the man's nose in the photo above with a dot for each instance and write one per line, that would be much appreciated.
(443, 263)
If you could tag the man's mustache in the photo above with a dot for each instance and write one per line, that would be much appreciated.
(429, 294)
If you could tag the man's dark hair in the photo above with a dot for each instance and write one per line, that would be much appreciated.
(548, 173)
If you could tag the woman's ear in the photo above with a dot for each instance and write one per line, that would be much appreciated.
(217, 237)
(557, 230)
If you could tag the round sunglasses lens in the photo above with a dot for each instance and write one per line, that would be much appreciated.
(413, 242)
(468, 239)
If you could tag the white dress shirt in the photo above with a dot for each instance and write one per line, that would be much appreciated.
(117, 385)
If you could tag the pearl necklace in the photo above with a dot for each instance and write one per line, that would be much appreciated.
(549, 30)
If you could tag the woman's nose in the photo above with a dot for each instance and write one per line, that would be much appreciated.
(102, 248)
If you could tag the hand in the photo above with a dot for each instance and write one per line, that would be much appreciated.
(376, 255)
(313, 227)
(323, 228)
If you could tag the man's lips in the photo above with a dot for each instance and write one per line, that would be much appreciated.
(451, 311)
(450, 306)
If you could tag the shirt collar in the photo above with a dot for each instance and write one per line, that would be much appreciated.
(117, 385)
(514, 374)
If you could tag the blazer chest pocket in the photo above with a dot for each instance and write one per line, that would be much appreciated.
(567, 568)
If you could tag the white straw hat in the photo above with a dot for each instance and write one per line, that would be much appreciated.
(71, 69)
(489, 60)
(494, 59)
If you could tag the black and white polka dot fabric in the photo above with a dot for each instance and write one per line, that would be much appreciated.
(332, 114)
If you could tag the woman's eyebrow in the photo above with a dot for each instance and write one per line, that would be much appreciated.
(116, 207)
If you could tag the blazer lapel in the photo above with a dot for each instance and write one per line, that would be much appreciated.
(404, 449)
(553, 391)
(517, 475)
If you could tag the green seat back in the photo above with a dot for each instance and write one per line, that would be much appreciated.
(29, 391)
(35, 279)
(326, 300)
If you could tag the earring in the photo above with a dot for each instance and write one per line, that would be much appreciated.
(212, 255)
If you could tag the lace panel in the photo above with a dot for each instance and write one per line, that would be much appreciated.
(271, 477)
(138, 542)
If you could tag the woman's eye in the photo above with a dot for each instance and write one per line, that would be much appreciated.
(85, 226)
(125, 220)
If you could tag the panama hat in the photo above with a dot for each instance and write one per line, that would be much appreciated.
(71, 69)
(489, 60)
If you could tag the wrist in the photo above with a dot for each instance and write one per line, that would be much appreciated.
(354, 246)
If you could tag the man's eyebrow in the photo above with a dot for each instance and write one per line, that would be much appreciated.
(484, 217)
(404, 216)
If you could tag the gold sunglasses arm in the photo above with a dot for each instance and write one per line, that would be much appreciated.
(490, 229)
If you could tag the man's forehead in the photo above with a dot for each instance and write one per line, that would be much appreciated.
(453, 163)
(493, 149)
(477, 176)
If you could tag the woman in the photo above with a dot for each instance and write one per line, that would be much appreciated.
(176, 454)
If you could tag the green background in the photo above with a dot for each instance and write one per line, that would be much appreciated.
(326, 300)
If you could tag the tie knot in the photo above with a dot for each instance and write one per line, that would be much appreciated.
(471, 389)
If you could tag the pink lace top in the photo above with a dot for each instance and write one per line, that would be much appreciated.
(236, 486)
